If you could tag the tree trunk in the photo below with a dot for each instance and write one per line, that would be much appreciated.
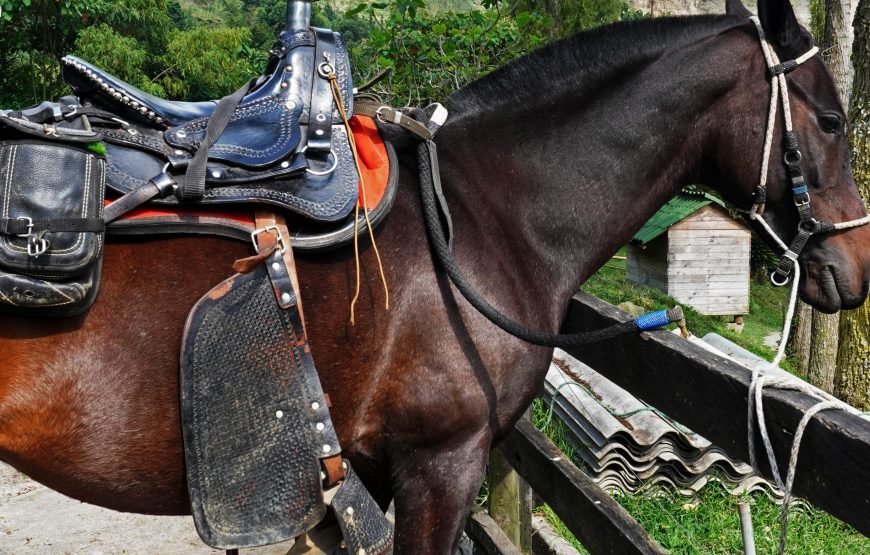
(835, 43)
(853, 360)
(823, 355)
(803, 339)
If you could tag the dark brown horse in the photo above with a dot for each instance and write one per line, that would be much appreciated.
(549, 165)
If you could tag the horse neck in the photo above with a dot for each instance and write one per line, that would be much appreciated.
(562, 184)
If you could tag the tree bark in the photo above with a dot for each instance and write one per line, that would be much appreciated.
(835, 44)
(853, 360)
(803, 339)
(823, 355)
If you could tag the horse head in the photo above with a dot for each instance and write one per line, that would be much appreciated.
(809, 184)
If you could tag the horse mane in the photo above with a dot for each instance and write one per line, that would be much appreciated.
(583, 61)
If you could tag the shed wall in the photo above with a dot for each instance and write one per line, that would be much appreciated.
(708, 262)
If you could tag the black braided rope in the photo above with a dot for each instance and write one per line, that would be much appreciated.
(427, 159)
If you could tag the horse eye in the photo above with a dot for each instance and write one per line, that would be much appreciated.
(831, 122)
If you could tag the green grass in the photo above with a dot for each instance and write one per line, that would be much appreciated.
(709, 524)
(767, 306)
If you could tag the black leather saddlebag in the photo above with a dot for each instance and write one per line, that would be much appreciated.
(52, 186)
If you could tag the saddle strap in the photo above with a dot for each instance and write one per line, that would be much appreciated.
(320, 116)
(193, 187)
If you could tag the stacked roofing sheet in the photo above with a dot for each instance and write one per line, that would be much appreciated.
(624, 444)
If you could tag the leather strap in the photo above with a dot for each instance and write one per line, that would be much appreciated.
(162, 185)
(385, 114)
(27, 226)
(193, 187)
(320, 111)
(279, 234)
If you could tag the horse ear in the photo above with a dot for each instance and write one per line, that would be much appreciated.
(736, 7)
(782, 27)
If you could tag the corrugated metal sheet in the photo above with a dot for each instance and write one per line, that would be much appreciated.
(676, 210)
(624, 445)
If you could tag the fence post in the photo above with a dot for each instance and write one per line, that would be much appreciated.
(510, 501)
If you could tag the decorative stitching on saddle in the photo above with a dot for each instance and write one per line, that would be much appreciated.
(243, 111)
(281, 142)
(346, 173)
(140, 139)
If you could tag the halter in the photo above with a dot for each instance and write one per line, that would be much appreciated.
(808, 225)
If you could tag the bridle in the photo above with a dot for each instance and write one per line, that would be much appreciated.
(808, 225)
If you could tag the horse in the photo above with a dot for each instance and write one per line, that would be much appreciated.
(549, 165)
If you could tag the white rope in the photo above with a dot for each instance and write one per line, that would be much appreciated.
(854, 223)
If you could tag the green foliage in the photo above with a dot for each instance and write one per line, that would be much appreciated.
(207, 63)
(433, 54)
(817, 19)
(117, 54)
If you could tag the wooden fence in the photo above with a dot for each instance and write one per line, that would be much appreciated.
(700, 390)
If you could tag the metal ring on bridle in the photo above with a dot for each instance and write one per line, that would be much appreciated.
(776, 283)
(325, 172)
(792, 157)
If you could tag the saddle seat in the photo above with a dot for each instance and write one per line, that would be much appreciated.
(112, 93)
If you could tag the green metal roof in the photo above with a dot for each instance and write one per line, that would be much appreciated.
(689, 201)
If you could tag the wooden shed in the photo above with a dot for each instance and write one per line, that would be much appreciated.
(696, 252)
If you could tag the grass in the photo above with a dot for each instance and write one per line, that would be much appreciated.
(767, 306)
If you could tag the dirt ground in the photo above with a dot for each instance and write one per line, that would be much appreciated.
(36, 520)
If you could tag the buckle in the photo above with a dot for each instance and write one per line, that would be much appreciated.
(798, 199)
(36, 247)
(29, 223)
(282, 245)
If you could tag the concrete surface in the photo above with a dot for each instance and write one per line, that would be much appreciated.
(37, 520)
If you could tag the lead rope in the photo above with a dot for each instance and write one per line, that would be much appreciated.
(328, 71)
(755, 407)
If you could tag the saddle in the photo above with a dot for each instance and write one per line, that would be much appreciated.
(282, 158)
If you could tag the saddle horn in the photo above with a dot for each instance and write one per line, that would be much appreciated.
(298, 14)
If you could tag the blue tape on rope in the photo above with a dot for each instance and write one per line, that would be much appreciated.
(803, 189)
(652, 321)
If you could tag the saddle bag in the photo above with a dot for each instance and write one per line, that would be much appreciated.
(52, 186)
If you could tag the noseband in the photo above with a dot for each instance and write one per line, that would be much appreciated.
(808, 225)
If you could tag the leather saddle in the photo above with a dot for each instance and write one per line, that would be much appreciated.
(285, 143)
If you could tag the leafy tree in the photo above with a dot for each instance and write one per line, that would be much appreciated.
(207, 63)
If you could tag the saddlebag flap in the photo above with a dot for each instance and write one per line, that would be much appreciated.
(51, 239)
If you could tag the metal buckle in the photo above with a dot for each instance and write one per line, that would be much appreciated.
(29, 222)
(802, 203)
(282, 245)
